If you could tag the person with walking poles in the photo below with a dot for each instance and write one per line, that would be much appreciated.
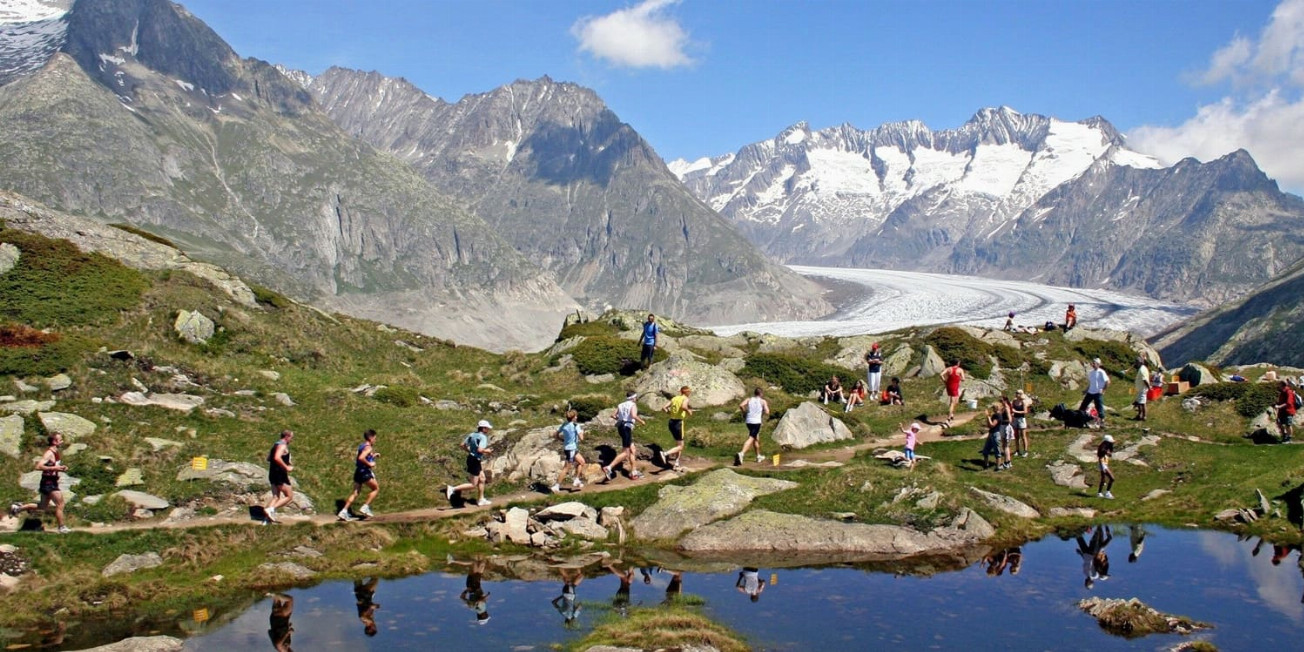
(679, 411)
(278, 475)
(571, 434)
(50, 465)
(626, 417)
(756, 409)
(477, 448)
(364, 475)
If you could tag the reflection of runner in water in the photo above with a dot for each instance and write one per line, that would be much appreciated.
(647, 572)
(621, 600)
(1010, 559)
(675, 588)
(364, 592)
(566, 604)
(279, 625)
(750, 582)
(1095, 563)
(1137, 536)
(473, 595)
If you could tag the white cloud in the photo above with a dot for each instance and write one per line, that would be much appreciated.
(1265, 112)
(642, 36)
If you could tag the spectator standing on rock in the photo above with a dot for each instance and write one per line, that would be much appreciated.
(756, 409)
(364, 475)
(1097, 383)
(650, 333)
(1285, 410)
(477, 448)
(679, 411)
(278, 475)
(1142, 386)
(626, 417)
(952, 376)
(50, 465)
(1103, 453)
(1019, 409)
(571, 434)
(874, 368)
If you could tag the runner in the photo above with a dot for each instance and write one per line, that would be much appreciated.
(1285, 410)
(477, 448)
(278, 475)
(679, 410)
(571, 434)
(952, 376)
(1020, 408)
(874, 368)
(756, 408)
(50, 465)
(626, 417)
(650, 333)
(364, 475)
(1103, 453)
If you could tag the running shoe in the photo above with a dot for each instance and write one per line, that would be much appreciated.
(1109, 495)
(577, 483)
(738, 459)
(366, 511)
(345, 515)
(64, 529)
(14, 508)
(1099, 495)
(555, 488)
(635, 476)
(484, 502)
(448, 491)
(760, 458)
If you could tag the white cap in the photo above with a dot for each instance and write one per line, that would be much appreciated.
(1109, 438)
(484, 424)
(915, 426)
(1096, 360)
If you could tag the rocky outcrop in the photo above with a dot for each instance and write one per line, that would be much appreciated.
(711, 385)
(1065, 474)
(143, 644)
(8, 257)
(764, 531)
(11, 434)
(71, 426)
(131, 563)
(808, 424)
(1133, 618)
(194, 327)
(535, 456)
(716, 495)
(1006, 504)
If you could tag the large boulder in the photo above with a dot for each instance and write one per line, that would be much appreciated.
(896, 363)
(9, 255)
(58, 382)
(852, 353)
(179, 402)
(11, 435)
(808, 424)
(194, 327)
(711, 385)
(932, 365)
(716, 495)
(765, 531)
(143, 644)
(1006, 504)
(1197, 374)
(71, 426)
(535, 456)
(1070, 374)
(132, 563)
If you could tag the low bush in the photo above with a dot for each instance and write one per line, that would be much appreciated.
(588, 329)
(609, 355)
(1251, 398)
(1116, 358)
(269, 297)
(57, 284)
(26, 351)
(397, 396)
(135, 230)
(795, 374)
(590, 405)
(974, 354)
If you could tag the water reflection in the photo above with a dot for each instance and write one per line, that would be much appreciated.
(1276, 587)
(474, 596)
(365, 595)
(279, 627)
(567, 604)
(1095, 563)
(750, 583)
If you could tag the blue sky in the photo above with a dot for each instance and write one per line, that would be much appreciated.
(705, 77)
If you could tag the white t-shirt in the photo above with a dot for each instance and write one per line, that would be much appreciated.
(1143, 378)
(755, 408)
(625, 412)
(1096, 381)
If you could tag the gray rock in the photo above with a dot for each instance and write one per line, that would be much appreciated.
(24, 387)
(157, 444)
(895, 364)
(1196, 374)
(610, 515)
(241, 474)
(194, 327)
(1083, 449)
(929, 501)
(143, 644)
(1070, 374)
(516, 523)
(73, 449)
(764, 531)
(565, 512)
(535, 456)
(219, 412)
(269, 374)
(599, 379)
(93, 500)
(732, 365)
(31, 481)
(142, 499)
(284, 399)
(1006, 504)
(725, 347)
(130, 478)
(58, 382)
(71, 426)
(26, 407)
(288, 569)
(809, 424)
(132, 563)
(11, 435)
(716, 495)
(711, 385)
(9, 255)
(585, 528)
(445, 404)
(932, 365)
(1065, 474)
(1155, 494)
(179, 402)
(1077, 512)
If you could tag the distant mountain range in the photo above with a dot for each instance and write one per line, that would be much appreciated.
(1008, 195)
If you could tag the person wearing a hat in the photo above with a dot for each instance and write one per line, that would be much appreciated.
(1103, 453)
(912, 440)
(874, 374)
(626, 417)
(1142, 385)
(1097, 383)
(477, 448)
(1019, 408)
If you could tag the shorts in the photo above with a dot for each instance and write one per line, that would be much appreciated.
(1020, 423)
(1103, 466)
(753, 430)
(570, 454)
(1284, 419)
(1141, 396)
(278, 478)
(473, 465)
(953, 393)
(626, 431)
(48, 485)
(910, 454)
(1009, 432)
(677, 429)
(363, 476)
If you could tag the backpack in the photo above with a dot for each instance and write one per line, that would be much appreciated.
(1298, 400)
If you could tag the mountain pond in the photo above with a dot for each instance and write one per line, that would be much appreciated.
(1251, 591)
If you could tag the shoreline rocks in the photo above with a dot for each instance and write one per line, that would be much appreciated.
(765, 531)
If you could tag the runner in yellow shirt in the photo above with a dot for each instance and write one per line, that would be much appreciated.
(679, 410)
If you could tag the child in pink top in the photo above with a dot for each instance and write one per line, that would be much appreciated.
(912, 438)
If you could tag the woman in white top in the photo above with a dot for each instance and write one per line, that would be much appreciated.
(756, 408)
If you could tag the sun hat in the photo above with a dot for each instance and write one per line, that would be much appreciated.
(1109, 438)
(915, 426)
(484, 424)
(1096, 360)
(1020, 393)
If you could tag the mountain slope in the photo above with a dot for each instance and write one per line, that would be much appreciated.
(574, 190)
(903, 196)
(147, 116)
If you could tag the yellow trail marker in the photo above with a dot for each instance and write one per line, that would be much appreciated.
(199, 463)
(774, 579)
(776, 459)
(201, 615)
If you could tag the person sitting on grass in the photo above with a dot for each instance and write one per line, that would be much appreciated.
(832, 391)
(893, 392)
(856, 396)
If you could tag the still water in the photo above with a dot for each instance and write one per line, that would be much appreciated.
(1253, 602)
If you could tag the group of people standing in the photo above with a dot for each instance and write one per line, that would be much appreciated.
(1007, 430)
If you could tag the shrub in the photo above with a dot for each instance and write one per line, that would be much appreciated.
(588, 329)
(1251, 398)
(398, 396)
(134, 230)
(1115, 357)
(57, 284)
(589, 406)
(974, 354)
(269, 297)
(795, 374)
(26, 351)
(609, 355)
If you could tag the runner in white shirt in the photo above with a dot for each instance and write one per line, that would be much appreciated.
(756, 409)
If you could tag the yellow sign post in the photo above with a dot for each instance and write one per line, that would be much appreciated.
(199, 463)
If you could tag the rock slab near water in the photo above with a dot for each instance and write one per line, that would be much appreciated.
(132, 563)
(143, 644)
(716, 495)
(764, 531)
(1133, 618)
